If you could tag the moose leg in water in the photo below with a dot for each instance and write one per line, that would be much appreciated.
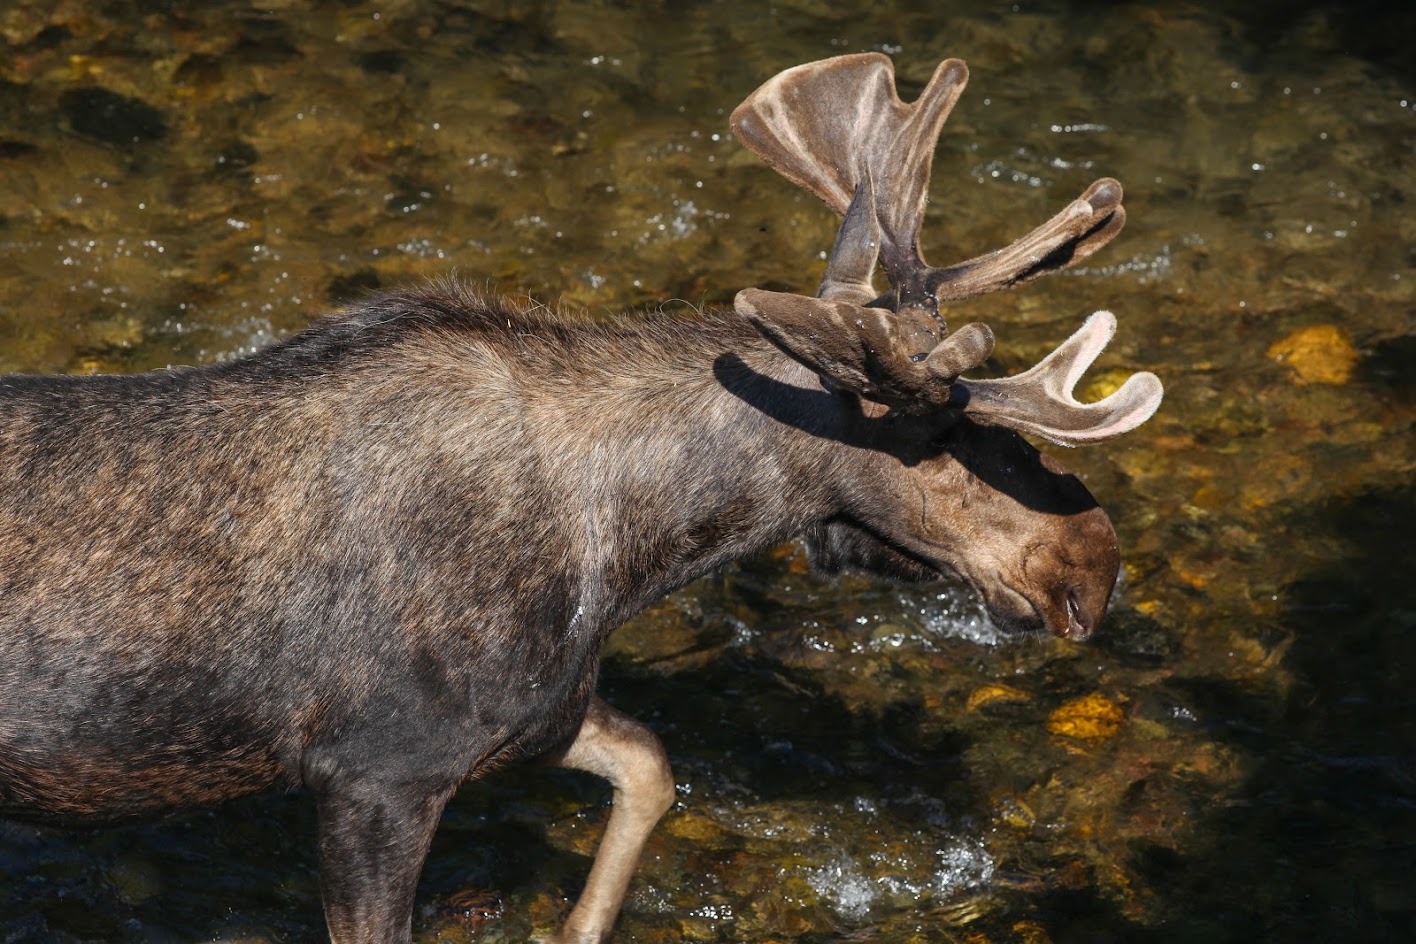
(632, 759)
(374, 837)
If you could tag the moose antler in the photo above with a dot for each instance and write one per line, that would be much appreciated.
(838, 129)
(837, 125)
(1039, 400)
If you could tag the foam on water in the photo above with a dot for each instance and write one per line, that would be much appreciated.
(956, 614)
(844, 886)
(964, 865)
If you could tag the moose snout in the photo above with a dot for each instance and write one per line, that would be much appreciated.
(1075, 603)
(1073, 578)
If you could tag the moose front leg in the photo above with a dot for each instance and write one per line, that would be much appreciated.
(630, 757)
(374, 837)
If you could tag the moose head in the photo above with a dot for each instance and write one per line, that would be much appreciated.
(959, 492)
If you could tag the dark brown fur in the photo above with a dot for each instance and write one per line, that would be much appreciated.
(381, 556)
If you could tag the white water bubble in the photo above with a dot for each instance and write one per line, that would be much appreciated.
(956, 614)
(844, 887)
(964, 865)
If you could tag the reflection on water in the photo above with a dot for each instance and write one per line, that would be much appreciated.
(1230, 758)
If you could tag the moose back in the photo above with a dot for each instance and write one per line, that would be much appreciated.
(379, 558)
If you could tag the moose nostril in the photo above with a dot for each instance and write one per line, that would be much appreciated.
(1078, 622)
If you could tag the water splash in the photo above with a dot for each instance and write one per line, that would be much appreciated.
(954, 613)
(844, 886)
(964, 865)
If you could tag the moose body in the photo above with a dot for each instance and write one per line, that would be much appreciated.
(379, 558)
(397, 539)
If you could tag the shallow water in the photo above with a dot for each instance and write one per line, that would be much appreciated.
(1231, 758)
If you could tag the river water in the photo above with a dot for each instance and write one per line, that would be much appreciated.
(1231, 758)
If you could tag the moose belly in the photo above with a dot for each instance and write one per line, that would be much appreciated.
(90, 738)
(93, 787)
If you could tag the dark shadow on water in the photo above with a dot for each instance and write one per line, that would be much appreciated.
(157, 880)
(1388, 368)
(250, 867)
(1375, 30)
(1319, 844)
(774, 734)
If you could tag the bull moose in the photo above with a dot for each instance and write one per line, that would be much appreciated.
(379, 558)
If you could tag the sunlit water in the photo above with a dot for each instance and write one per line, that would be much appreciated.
(1231, 758)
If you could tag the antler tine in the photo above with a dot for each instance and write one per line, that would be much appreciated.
(901, 163)
(824, 125)
(1083, 227)
(852, 260)
(1040, 400)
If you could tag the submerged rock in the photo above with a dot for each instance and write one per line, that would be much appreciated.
(993, 692)
(1091, 716)
(1318, 354)
(111, 118)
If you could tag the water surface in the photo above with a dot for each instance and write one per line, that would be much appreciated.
(1230, 759)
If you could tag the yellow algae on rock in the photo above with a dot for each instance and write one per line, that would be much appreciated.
(988, 694)
(1318, 354)
(1031, 932)
(1104, 384)
(1014, 812)
(1195, 577)
(696, 828)
(1091, 716)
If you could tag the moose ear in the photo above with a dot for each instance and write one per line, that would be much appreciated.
(846, 344)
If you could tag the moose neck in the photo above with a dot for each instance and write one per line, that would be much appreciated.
(712, 446)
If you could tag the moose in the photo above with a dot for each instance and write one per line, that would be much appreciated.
(379, 558)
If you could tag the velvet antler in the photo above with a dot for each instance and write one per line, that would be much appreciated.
(838, 129)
